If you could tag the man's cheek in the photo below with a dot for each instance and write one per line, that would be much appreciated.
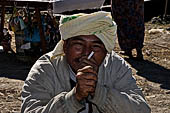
(77, 53)
(77, 60)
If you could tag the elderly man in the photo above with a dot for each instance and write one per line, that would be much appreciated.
(83, 74)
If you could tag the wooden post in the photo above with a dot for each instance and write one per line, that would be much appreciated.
(2, 18)
(42, 37)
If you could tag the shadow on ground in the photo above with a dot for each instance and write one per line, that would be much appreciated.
(11, 67)
(152, 72)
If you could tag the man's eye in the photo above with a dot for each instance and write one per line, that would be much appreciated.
(78, 44)
(97, 47)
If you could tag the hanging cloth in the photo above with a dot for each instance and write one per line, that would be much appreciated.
(22, 25)
(70, 5)
(28, 31)
(11, 21)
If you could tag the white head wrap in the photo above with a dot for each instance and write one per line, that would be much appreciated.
(99, 24)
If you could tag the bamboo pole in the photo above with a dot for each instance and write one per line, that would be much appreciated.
(166, 5)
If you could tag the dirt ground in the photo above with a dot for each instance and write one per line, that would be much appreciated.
(152, 74)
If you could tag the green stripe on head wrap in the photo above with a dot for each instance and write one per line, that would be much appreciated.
(66, 19)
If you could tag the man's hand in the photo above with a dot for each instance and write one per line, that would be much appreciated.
(86, 82)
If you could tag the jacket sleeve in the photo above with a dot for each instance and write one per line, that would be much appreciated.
(43, 93)
(123, 96)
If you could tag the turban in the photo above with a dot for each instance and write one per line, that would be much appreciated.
(99, 24)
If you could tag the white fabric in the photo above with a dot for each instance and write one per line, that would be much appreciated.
(99, 24)
(70, 5)
(26, 46)
(1, 49)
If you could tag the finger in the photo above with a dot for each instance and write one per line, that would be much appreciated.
(83, 77)
(90, 62)
(86, 90)
(91, 83)
(87, 81)
(88, 69)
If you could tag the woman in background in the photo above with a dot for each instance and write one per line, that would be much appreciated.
(129, 16)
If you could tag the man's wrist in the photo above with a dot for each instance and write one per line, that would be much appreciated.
(72, 103)
(78, 97)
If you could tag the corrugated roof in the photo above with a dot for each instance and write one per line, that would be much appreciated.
(71, 5)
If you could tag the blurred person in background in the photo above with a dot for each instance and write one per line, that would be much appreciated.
(129, 16)
(6, 40)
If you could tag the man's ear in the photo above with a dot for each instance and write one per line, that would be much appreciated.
(65, 46)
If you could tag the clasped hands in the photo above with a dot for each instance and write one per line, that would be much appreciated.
(86, 79)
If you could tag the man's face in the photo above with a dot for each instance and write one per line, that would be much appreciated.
(78, 48)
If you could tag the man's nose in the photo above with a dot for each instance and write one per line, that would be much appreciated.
(87, 51)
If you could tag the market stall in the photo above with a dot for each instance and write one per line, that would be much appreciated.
(24, 25)
(36, 6)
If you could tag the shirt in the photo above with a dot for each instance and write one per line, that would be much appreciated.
(47, 88)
